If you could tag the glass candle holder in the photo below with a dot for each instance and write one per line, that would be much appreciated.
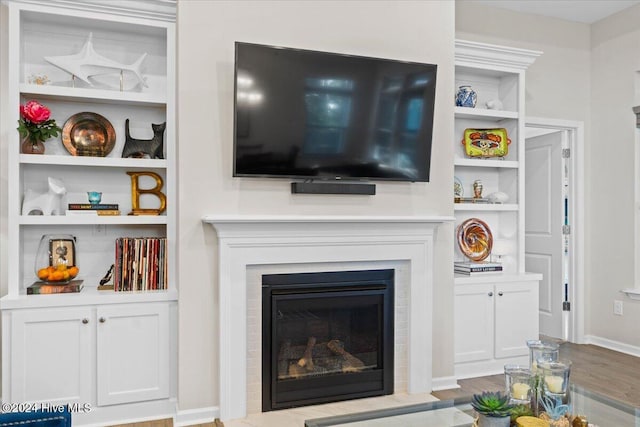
(555, 377)
(94, 197)
(541, 350)
(519, 383)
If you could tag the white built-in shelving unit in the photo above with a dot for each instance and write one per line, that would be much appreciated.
(495, 313)
(115, 351)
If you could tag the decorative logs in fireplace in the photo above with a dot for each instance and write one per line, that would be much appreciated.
(330, 357)
(326, 337)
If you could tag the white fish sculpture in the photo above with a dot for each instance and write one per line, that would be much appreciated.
(88, 62)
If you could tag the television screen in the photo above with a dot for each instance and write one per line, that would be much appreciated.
(318, 115)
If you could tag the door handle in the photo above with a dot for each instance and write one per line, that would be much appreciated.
(500, 293)
(85, 321)
(102, 320)
(490, 294)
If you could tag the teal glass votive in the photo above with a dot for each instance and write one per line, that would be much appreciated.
(94, 197)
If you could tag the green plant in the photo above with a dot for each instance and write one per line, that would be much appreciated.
(492, 404)
(520, 411)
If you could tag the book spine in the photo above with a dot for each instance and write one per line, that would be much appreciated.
(479, 269)
(89, 206)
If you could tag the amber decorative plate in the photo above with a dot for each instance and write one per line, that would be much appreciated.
(88, 134)
(475, 239)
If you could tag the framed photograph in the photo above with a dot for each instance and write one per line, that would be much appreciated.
(62, 251)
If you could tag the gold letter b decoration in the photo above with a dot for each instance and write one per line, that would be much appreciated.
(136, 191)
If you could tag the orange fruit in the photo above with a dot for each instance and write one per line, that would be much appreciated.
(43, 273)
(51, 269)
(56, 276)
(62, 267)
(65, 275)
(73, 271)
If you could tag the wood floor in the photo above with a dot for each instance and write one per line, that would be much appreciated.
(606, 372)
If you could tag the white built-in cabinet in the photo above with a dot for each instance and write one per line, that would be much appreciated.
(494, 314)
(114, 351)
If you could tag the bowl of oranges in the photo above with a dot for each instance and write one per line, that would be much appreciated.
(60, 274)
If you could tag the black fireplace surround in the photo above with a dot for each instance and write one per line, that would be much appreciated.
(326, 337)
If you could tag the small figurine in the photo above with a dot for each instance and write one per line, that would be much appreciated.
(477, 189)
(49, 203)
(107, 277)
(140, 148)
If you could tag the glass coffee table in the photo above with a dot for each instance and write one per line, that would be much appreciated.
(599, 410)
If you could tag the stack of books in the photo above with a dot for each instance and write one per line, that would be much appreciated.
(93, 209)
(473, 268)
(41, 288)
(141, 264)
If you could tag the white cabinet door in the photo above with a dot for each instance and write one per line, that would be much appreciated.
(133, 353)
(52, 355)
(473, 322)
(516, 317)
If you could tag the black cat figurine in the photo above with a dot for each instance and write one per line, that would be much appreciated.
(140, 148)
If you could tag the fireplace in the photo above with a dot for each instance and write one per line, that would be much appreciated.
(287, 244)
(326, 337)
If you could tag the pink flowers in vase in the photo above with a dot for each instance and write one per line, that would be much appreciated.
(36, 126)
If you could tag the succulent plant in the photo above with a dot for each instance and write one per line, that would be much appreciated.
(492, 404)
(520, 411)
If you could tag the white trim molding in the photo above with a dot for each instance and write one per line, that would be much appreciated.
(160, 10)
(613, 345)
(191, 417)
(245, 241)
(468, 53)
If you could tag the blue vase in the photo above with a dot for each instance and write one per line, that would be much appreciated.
(466, 97)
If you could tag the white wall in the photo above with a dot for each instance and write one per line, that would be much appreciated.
(207, 30)
(615, 74)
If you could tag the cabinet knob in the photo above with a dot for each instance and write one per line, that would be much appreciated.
(85, 321)
(500, 293)
(490, 294)
(102, 320)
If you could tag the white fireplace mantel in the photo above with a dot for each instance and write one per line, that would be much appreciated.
(267, 240)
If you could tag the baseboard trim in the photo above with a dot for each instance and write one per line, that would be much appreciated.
(189, 417)
(612, 345)
(444, 383)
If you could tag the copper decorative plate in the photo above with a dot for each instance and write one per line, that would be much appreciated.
(88, 134)
(475, 239)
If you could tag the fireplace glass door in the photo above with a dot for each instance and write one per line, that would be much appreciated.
(326, 337)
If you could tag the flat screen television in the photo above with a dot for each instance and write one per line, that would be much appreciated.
(328, 116)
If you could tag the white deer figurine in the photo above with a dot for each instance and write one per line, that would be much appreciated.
(49, 203)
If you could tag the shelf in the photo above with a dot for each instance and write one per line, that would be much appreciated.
(632, 293)
(487, 163)
(461, 279)
(506, 207)
(483, 113)
(93, 95)
(56, 160)
(88, 296)
(91, 220)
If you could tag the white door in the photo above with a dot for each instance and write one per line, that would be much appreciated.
(51, 355)
(544, 218)
(133, 353)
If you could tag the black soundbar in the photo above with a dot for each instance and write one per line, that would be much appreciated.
(333, 188)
